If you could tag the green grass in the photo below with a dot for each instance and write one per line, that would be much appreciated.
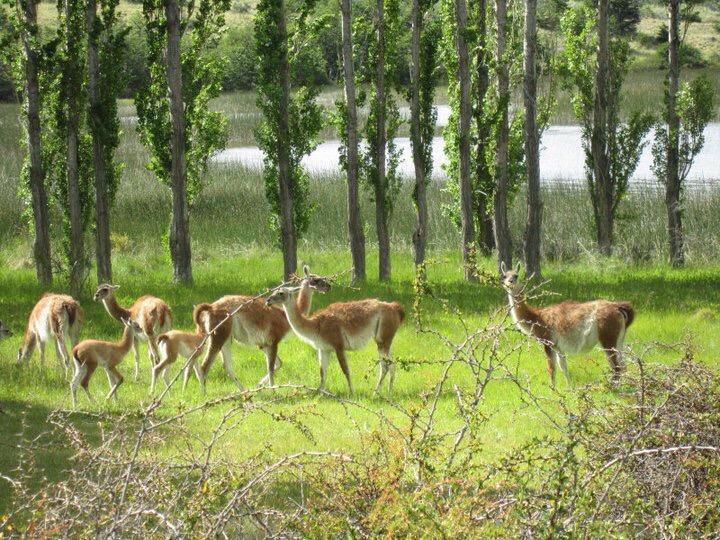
(671, 305)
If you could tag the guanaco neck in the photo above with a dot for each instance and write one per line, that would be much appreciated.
(114, 309)
(299, 322)
(304, 299)
(523, 314)
(123, 346)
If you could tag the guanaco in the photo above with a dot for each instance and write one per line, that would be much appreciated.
(56, 317)
(4, 331)
(152, 315)
(91, 353)
(345, 326)
(255, 323)
(570, 327)
(176, 342)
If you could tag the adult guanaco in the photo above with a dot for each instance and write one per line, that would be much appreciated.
(178, 343)
(345, 326)
(4, 331)
(255, 324)
(152, 315)
(570, 327)
(91, 353)
(56, 317)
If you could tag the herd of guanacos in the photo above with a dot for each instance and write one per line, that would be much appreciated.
(564, 328)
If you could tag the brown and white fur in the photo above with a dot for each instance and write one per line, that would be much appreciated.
(255, 324)
(570, 327)
(178, 343)
(57, 318)
(152, 315)
(4, 331)
(345, 326)
(91, 353)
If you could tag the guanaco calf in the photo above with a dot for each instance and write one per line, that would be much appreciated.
(152, 315)
(4, 331)
(255, 324)
(345, 326)
(91, 353)
(176, 342)
(570, 327)
(56, 317)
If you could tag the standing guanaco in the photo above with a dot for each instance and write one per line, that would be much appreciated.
(570, 327)
(56, 317)
(345, 326)
(91, 353)
(152, 315)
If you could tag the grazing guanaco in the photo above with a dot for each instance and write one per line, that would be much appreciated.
(4, 331)
(570, 327)
(255, 324)
(152, 315)
(345, 326)
(91, 353)
(56, 317)
(176, 342)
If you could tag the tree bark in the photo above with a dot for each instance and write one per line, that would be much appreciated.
(419, 237)
(381, 217)
(532, 146)
(287, 221)
(502, 228)
(41, 218)
(466, 198)
(672, 184)
(486, 236)
(180, 226)
(602, 181)
(102, 211)
(73, 87)
(355, 228)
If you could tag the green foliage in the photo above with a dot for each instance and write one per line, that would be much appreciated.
(694, 102)
(304, 114)
(205, 130)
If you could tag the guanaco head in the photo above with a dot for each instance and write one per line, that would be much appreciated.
(4, 331)
(104, 291)
(133, 326)
(510, 279)
(314, 281)
(281, 296)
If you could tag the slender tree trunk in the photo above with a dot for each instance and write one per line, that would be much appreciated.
(73, 88)
(532, 146)
(502, 228)
(41, 244)
(355, 228)
(464, 83)
(381, 217)
(601, 172)
(102, 211)
(672, 185)
(486, 236)
(287, 221)
(421, 216)
(180, 226)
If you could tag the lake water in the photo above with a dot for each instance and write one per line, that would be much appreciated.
(561, 157)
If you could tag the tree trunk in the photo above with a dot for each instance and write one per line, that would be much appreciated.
(102, 211)
(355, 228)
(73, 87)
(41, 244)
(180, 226)
(486, 236)
(673, 187)
(464, 83)
(532, 147)
(502, 228)
(381, 217)
(419, 238)
(603, 182)
(287, 221)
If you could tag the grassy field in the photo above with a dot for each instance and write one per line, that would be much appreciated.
(672, 306)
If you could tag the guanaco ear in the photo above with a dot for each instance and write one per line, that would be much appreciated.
(502, 267)
(114, 287)
(306, 270)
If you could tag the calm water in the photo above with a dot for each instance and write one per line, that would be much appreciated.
(561, 156)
